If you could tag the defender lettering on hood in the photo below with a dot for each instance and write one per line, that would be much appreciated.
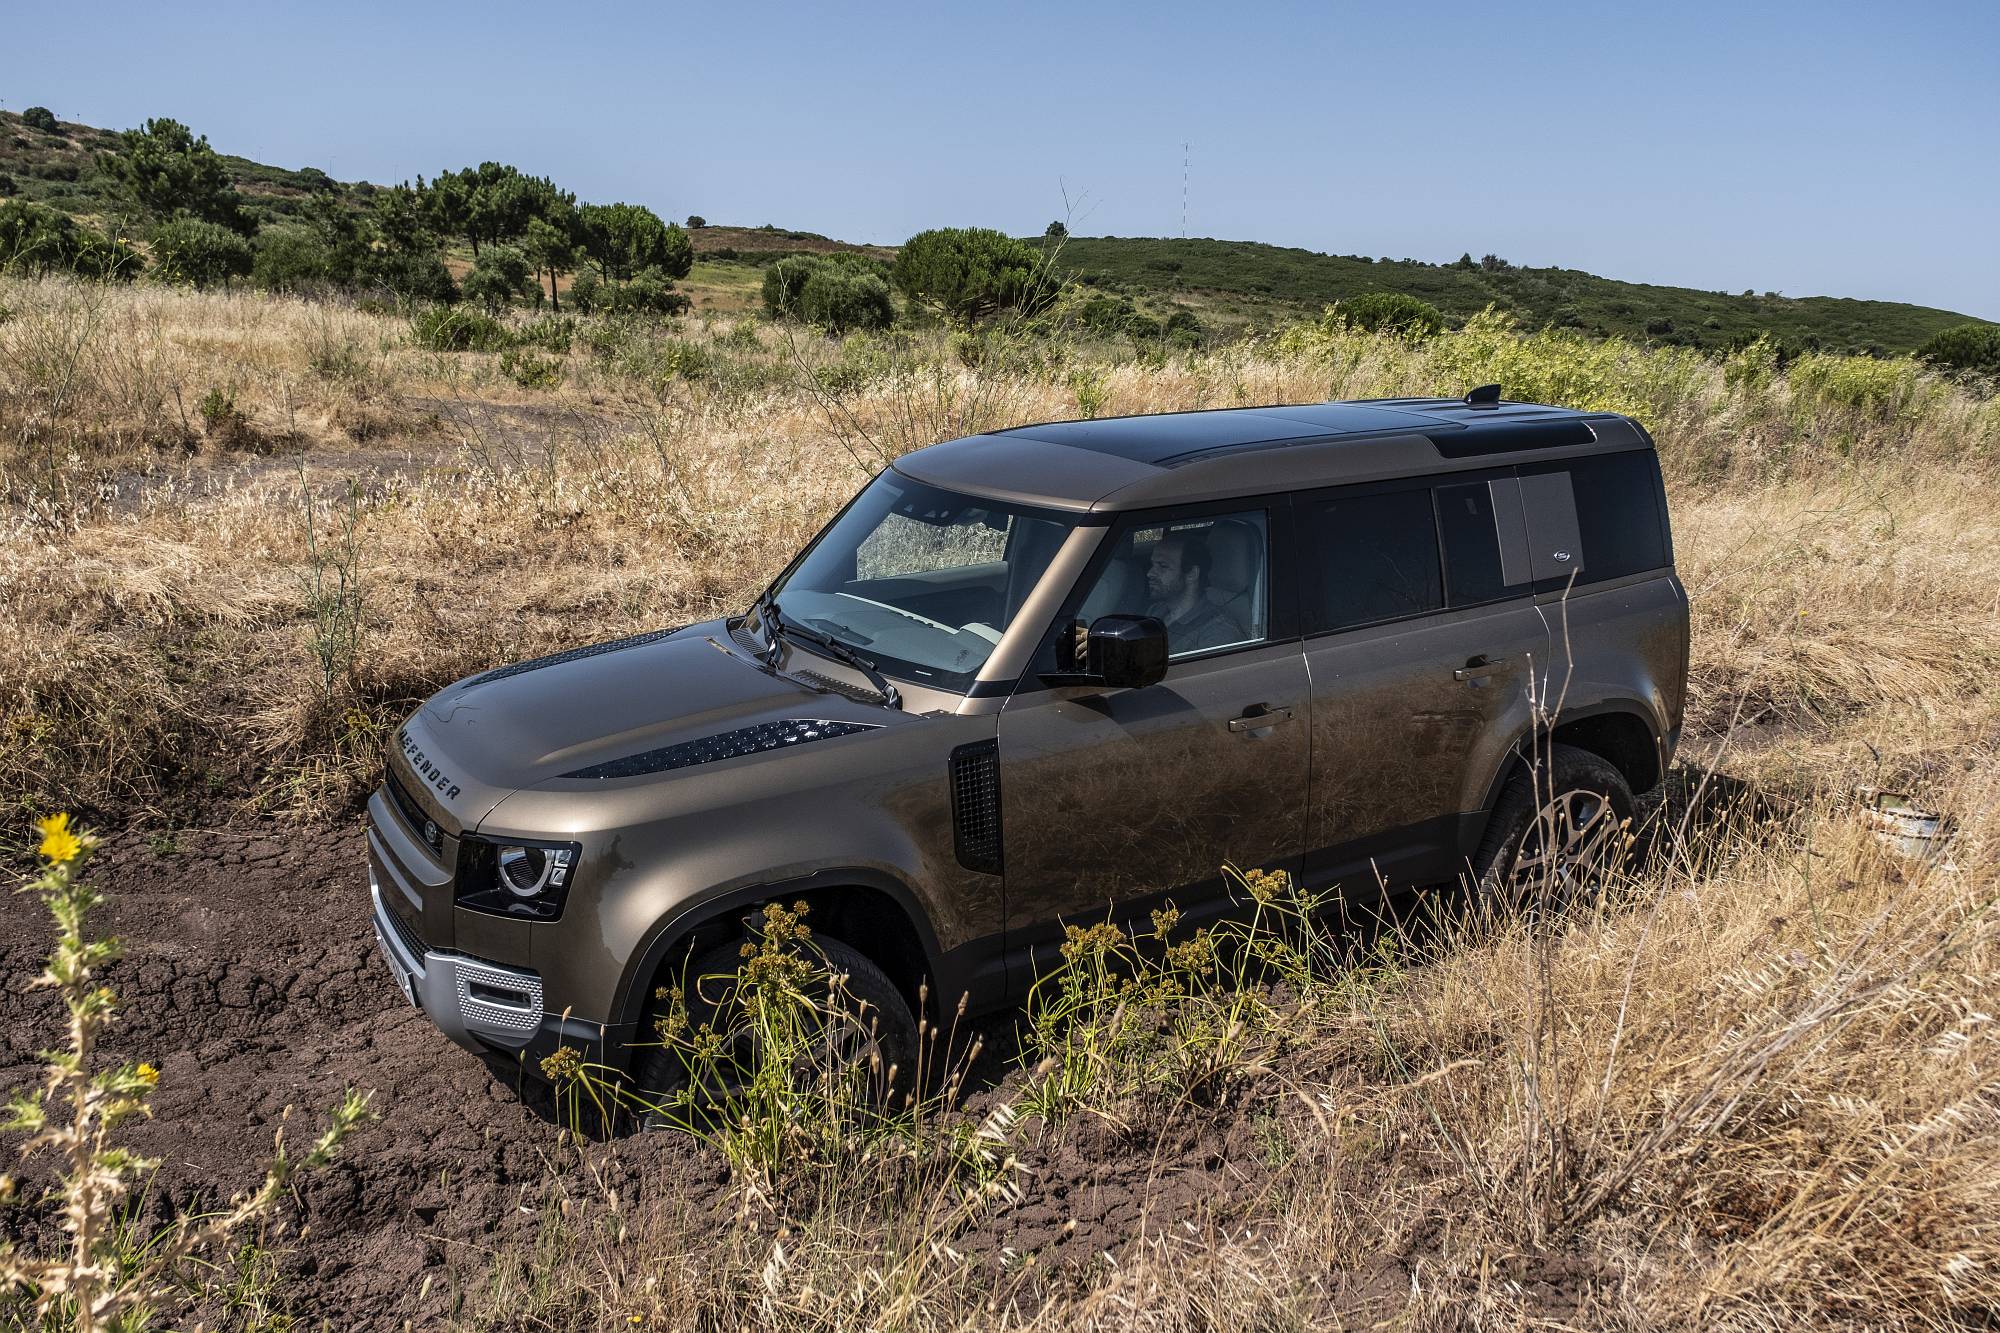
(427, 770)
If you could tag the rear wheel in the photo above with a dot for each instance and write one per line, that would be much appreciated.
(720, 1038)
(1559, 831)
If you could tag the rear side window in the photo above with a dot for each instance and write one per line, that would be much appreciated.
(1471, 540)
(1373, 558)
(1618, 514)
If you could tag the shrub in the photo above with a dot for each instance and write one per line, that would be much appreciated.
(783, 281)
(38, 240)
(841, 300)
(411, 275)
(39, 118)
(652, 291)
(1964, 348)
(202, 254)
(696, 222)
(529, 370)
(1391, 312)
(584, 292)
(8, 188)
(500, 274)
(290, 258)
(552, 334)
(442, 329)
(967, 273)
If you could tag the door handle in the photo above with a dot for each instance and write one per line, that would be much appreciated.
(1479, 668)
(1259, 716)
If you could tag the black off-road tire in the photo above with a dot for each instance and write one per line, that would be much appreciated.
(658, 1073)
(1527, 808)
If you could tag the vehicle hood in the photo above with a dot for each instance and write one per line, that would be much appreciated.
(523, 725)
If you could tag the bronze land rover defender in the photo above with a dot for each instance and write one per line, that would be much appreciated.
(1043, 675)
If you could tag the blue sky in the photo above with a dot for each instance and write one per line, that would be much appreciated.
(1814, 149)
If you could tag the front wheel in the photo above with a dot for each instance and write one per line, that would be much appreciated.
(730, 1035)
(1559, 831)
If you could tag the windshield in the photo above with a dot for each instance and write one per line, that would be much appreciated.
(921, 582)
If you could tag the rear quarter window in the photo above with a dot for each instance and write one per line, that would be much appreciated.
(1620, 514)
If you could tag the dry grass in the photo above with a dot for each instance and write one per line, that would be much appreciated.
(1759, 1092)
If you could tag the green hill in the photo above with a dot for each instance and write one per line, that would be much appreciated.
(1248, 284)
(1233, 286)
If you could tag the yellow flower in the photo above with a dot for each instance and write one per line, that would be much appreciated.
(58, 843)
(148, 1075)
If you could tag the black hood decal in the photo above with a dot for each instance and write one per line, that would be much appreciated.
(765, 736)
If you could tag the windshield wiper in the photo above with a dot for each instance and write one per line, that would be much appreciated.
(766, 607)
(891, 697)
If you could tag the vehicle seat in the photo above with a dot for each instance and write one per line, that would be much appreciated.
(1236, 583)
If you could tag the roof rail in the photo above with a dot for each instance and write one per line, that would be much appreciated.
(1486, 395)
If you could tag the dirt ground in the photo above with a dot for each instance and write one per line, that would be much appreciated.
(250, 979)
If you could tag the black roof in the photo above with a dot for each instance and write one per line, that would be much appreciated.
(1124, 462)
(1164, 439)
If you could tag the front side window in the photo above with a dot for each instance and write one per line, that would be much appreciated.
(922, 582)
(1207, 578)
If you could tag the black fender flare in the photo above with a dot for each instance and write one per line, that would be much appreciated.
(1518, 752)
(674, 929)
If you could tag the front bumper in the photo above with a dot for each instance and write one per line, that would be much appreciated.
(479, 1005)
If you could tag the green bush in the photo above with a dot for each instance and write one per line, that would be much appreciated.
(39, 118)
(841, 300)
(291, 258)
(1971, 348)
(968, 273)
(529, 370)
(651, 291)
(203, 254)
(441, 329)
(1391, 312)
(783, 281)
(500, 274)
(552, 334)
(37, 240)
(410, 275)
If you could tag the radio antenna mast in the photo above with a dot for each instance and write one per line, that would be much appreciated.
(1186, 151)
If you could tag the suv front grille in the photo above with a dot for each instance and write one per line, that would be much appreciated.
(414, 818)
(407, 933)
(975, 805)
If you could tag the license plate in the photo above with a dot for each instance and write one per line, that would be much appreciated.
(404, 981)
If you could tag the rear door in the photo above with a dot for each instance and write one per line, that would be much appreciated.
(1422, 640)
(1113, 801)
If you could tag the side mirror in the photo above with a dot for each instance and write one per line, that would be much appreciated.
(1120, 652)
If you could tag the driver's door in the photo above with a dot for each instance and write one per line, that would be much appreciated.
(1115, 800)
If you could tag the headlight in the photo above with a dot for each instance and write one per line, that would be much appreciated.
(516, 877)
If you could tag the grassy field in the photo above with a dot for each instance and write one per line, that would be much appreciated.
(1758, 1087)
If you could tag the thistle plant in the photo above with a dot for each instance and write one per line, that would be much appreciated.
(96, 1279)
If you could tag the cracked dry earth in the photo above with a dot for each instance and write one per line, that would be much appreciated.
(250, 979)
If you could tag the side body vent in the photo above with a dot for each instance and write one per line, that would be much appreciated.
(975, 805)
(763, 737)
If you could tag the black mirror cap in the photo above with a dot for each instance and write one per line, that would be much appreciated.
(1128, 652)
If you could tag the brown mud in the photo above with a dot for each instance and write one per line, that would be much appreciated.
(250, 979)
